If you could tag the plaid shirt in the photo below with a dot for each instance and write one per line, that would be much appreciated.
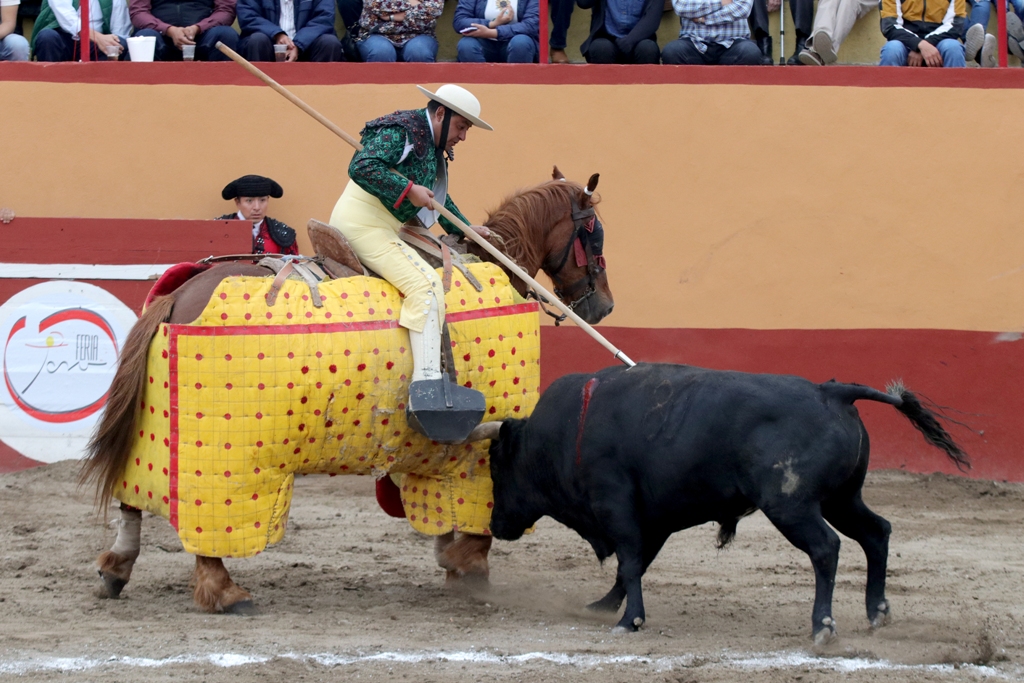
(707, 21)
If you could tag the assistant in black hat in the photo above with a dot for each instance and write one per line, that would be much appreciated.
(252, 194)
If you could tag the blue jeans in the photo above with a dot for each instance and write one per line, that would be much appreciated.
(13, 48)
(895, 53)
(377, 48)
(980, 11)
(206, 50)
(520, 49)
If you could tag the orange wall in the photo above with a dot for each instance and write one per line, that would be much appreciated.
(766, 207)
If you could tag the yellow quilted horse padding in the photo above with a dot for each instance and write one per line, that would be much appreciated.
(250, 395)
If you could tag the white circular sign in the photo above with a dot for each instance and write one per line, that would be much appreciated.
(60, 343)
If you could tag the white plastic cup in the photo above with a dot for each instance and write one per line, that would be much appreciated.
(113, 52)
(141, 48)
(188, 53)
(280, 52)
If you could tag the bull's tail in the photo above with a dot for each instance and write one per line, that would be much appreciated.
(924, 420)
(111, 443)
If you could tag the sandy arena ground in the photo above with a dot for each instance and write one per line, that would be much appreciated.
(353, 594)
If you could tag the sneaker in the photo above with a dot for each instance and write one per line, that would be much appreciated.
(1015, 35)
(821, 42)
(989, 51)
(810, 57)
(973, 42)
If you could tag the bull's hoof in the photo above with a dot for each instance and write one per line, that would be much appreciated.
(604, 605)
(883, 616)
(112, 586)
(626, 626)
(242, 608)
(827, 634)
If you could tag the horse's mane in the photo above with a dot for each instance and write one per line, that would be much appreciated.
(524, 214)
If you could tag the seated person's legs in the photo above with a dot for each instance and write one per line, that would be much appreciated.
(256, 47)
(471, 49)
(325, 48)
(377, 48)
(522, 49)
(13, 48)
(952, 52)
(561, 17)
(682, 51)
(161, 51)
(646, 52)
(894, 53)
(422, 48)
(206, 46)
(54, 45)
(602, 51)
(742, 51)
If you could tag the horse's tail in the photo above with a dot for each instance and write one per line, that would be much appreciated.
(924, 420)
(111, 443)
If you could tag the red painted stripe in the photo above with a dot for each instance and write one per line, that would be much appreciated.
(13, 461)
(221, 73)
(172, 381)
(972, 372)
(88, 240)
(513, 309)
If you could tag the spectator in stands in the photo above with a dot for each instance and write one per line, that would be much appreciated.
(186, 22)
(922, 33)
(349, 11)
(252, 193)
(561, 16)
(713, 32)
(306, 29)
(398, 30)
(6, 215)
(622, 31)
(497, 30)
(802, 12)
(13, 48)
(984, 47)
(832, 23)
(55, 35)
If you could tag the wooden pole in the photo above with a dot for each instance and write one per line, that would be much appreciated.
(467, 230)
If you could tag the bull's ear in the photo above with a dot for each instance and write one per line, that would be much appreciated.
(556, 174)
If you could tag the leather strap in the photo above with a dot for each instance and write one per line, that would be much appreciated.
(275, 286)
(421, 238)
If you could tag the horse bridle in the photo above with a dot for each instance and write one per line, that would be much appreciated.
(587, 245)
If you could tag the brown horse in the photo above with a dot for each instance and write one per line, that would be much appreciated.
(550, 227)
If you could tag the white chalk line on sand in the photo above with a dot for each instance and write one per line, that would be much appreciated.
(746, 661)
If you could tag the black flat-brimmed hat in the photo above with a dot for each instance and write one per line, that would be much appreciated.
(252, 186)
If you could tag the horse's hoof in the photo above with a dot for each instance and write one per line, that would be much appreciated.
(112, 586)
(883, 616)
(242, 608)
(628, 626)
(827, 634)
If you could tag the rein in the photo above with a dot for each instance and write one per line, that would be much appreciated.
(586, 243)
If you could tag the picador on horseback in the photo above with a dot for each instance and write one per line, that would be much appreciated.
(377, 201)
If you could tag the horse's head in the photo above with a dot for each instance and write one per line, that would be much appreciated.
(574, 254)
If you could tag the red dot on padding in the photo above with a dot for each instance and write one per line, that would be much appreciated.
(227, 447)
(259, 416)
(199, 529)
(228, 530)
(199, 444)
(255, 496)
(463, 475)
(227, 473)
(223, 296)
(198, 502)
(136, 488)
(260, 356)
(199, 473)
(166, 500)
(491, 353)
(257, 525)
(199, 356)
(227, 502)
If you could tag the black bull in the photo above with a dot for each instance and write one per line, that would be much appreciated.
(627, 457)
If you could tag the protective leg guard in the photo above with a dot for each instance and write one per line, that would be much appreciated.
(438, 409)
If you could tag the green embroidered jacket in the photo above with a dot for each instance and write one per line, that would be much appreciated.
(384, 141)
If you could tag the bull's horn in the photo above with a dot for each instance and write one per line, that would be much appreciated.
(484, 430)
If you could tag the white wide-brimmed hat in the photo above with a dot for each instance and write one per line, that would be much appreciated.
(460, 101)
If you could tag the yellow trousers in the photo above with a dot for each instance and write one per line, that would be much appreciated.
(373, 234)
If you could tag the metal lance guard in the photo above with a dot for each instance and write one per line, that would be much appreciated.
(444, 411)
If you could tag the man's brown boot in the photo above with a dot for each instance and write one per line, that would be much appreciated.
(559, 56)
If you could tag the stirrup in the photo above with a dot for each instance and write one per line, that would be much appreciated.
(444, 411)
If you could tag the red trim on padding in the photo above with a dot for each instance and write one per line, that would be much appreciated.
(968, 371)
(389, 497)
(172, 381)
(513, 309)
(226, 73)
